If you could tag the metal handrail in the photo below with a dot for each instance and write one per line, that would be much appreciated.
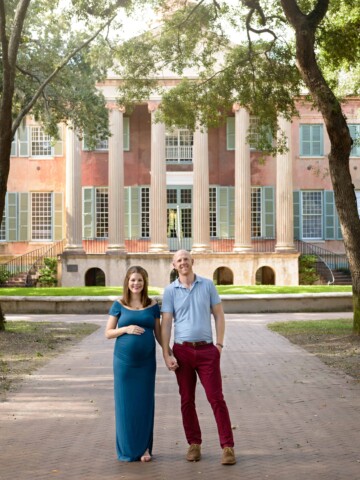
(24, 263)
(322, 268)
(53, 251)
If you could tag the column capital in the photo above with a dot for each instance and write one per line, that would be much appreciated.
(115, 106)
(153, 106)
(237, 107)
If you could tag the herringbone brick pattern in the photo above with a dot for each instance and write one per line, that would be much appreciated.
(293, 417)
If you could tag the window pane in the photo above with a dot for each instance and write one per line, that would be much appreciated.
(171, 195)
(186, 222)
(40, 143)
(185, 195)
(179, 145)
(102, 213)
(312, 218)
(3, 227)
(145, 212)
(256, 211)
(41, 208)
(212, 212)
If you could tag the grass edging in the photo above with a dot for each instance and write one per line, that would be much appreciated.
(332, 341)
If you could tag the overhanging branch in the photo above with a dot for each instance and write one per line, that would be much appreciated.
(41, 88)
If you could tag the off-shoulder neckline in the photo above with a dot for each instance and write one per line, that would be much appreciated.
(136, 309)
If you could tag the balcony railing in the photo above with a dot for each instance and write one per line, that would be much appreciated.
(179, 154)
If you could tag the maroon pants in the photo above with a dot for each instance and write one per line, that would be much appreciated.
(204, 361)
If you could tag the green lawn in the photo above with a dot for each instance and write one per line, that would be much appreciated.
(340, 326)
(222, 289)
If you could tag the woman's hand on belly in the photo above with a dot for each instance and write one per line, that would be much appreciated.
(134, 330)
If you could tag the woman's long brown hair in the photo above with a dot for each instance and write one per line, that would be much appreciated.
(126, 298)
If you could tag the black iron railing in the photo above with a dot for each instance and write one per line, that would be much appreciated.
(24, 264)
(327, 261)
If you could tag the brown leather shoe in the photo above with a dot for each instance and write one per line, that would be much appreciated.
(193, 453)
(228, 456)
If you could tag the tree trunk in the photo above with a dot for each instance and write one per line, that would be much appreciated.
(344, 192)
(2, 320)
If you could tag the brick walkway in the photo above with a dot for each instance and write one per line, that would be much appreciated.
(293, 417)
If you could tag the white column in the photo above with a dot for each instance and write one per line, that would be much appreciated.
(284, 193)
(158, 198)
(201, 221)
(242, 182)
(73, 193)
(116, 182)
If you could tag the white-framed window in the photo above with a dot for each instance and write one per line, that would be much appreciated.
(40, 143)
(32, 141)
(355, 135)
(101, 212)
(145, 212)
(311, 140)
(357, 193)
(179, 145)
(41, 216)
(14, 149)
(312, 215)
(103, 145)
(3, 227)
(256, 202)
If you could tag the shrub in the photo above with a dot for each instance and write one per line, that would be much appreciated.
(4, 276)
(47, 274)
(307, 270)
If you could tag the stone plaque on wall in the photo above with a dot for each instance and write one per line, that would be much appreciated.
(72, 268)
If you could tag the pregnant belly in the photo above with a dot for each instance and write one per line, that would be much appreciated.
(135, 348)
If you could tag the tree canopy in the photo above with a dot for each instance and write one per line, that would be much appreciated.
(244, 52)
(264, 55)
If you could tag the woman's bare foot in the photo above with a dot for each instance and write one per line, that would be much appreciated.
(146, 457)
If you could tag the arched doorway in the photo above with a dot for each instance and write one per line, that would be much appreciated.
(265, 276)
(94, 277)
(223, 276)
(173, 275)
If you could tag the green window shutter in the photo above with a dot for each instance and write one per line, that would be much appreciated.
(85, 145)
(338, 231)
(311, 140)
(13, 152)
(58, 147)
(305, 140)
(135, 205)
(230, 133)
(23, 136)
(355, 135)
(231, 196)
(24, 217)
(126, 133)
(127, 212)
(268, 210)
(339, 235)
(11, 216)
(296, 199)
(88, 212)
(58, 216)
(329, 215)
(223, 209)
(317, 140)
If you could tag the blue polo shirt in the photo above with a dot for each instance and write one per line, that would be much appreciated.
(191, 309)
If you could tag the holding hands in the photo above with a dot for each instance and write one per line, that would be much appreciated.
(171, 363)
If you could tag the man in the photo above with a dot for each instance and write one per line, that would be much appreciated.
(190, 300)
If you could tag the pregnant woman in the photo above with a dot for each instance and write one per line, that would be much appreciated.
(134, 320)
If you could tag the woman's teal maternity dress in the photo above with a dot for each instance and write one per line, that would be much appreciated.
(134, 382)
